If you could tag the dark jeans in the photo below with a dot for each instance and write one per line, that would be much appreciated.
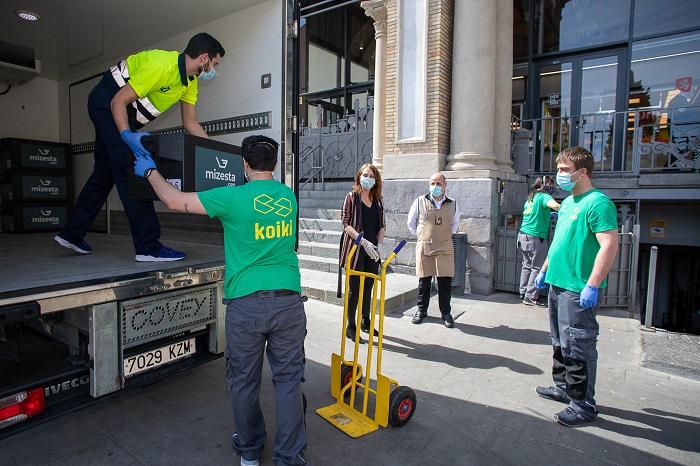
(274, 326)
(574, 333)
(111, 168)
(444, 294)
(364, 264)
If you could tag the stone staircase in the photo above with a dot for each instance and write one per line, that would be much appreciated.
(320, 228)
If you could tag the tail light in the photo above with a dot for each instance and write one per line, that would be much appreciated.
(20, 406)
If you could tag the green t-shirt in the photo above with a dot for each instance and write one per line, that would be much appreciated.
(156, 74)
(536, 216)
(574, 247)
(259, 220)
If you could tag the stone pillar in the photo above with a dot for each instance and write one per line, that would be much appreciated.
(474, 90)
(504, 77)
(376, 9)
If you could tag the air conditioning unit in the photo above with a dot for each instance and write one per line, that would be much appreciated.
(18, 64)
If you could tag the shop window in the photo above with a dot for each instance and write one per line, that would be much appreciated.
(577, 24)
(521, 27)
(652, 17)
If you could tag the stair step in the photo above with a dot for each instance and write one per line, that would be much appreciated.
(344, 186)
(321, 203)
(400, 289)
(319, 264)
(316, 236)
(312, 248)
(319, 224)
(320, 213)
(338, 195)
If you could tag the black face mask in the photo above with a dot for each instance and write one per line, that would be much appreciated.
(548, 189)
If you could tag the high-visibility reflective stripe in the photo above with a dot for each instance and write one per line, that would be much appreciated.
(145, 110)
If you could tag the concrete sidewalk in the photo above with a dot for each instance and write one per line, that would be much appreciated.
(476, 402)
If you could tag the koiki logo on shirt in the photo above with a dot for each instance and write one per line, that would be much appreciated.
(280, 228)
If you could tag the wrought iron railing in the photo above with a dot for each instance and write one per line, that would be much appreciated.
(650, 140)
(337, 150)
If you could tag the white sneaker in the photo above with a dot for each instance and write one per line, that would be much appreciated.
(245, 462)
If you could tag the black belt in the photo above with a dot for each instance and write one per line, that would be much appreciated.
(269, 293)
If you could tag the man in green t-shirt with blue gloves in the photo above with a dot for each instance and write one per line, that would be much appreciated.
(583, 250)
(263, 296)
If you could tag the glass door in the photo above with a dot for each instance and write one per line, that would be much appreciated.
(577, 100)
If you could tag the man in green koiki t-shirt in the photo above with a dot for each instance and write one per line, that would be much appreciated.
(264, 305)
(583, 250)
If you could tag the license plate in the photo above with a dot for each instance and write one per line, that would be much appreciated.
(157, 357)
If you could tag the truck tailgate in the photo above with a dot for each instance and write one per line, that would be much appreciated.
(33, 263)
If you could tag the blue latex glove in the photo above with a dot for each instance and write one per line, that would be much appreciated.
(589, 296)
(141, 164)
(133, 140)
(539, 281)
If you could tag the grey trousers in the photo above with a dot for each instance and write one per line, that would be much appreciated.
(252, 323)
(574, 333)
(534, 251)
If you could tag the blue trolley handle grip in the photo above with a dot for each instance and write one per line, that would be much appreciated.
(359, 239)
(399, 246)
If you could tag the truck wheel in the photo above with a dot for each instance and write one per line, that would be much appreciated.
(402, 405)
(346, 378)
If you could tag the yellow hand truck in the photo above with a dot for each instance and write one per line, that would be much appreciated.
(392, 406)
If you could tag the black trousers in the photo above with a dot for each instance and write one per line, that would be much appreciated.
(364, 264)
(444, 294)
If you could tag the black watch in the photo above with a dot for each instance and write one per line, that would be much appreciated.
(147, 173)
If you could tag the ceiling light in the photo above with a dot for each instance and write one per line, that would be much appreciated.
(28, 15)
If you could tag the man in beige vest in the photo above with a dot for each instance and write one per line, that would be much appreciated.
(433, 218)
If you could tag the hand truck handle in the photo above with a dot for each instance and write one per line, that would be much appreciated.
(399, 246)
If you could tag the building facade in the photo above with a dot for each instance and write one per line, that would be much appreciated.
(488, 92)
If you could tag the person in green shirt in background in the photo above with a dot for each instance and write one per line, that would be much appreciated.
(532, 237)
(264, 304)
(583, 250)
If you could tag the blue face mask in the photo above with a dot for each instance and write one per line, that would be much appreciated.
(436, 191)
(207, 74)
(366, 182)
(548, 189)
(564, 181)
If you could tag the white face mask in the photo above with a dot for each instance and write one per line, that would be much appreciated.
(207, 74)
(367, 182)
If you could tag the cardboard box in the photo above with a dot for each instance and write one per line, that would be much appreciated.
(17, 186)
(189, 163)
(28, 217)
(29, 154)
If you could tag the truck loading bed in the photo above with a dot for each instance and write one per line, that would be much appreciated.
(75, 327)
(33, 266)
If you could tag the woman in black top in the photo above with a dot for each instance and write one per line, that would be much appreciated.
(363, 212)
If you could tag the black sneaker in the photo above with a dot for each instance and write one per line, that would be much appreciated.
(418, 317)
(81, 246)
(532, 302)
(449, 322)
(162, 255)
(551, 393)
(571, 418)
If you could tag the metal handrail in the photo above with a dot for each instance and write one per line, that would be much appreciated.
(655, 139)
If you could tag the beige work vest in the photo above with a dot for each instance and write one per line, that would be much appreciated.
(434, 249)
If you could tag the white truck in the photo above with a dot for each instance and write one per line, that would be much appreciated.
(73, 327)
